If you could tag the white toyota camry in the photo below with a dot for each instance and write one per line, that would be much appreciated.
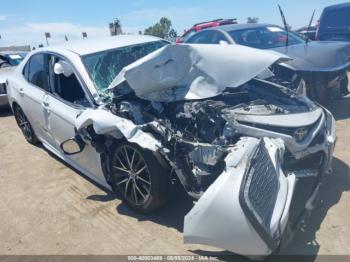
(135, 112)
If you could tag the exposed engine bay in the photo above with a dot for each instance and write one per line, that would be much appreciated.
(198, 133)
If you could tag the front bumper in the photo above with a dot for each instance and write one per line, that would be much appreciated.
(246, 209)
(227, 217)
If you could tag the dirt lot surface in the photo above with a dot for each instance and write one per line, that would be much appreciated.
(48, 208)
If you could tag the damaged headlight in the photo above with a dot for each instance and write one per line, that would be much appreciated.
(300, 134)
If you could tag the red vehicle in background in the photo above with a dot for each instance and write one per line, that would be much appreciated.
(203, 25)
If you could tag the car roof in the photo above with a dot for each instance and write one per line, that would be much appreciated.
(337, 6)
(89, 46)
(233, 27)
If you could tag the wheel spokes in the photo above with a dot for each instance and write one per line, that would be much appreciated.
(127, 157)
(121, 169)
(132, 160)
(140, 170)
(134, 192)
(143, 180)
(139, 190)
(126, 188)
(123, 181)
(121, 162)
(132, 175)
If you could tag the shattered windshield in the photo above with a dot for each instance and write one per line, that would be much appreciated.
(104, 66)
(265, 37)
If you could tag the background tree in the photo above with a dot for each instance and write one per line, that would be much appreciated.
(252, 20)
(162, 29)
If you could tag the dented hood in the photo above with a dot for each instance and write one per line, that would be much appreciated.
(318, 56)
(181, 72)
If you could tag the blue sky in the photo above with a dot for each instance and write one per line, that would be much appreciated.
(24, 22)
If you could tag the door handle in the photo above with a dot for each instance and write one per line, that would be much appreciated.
(46, 103)
(21, 90)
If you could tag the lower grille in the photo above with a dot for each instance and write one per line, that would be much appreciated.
(312, 162)
(259, 191)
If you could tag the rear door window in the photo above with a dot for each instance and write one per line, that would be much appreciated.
(189, 34)
(204, 37)
(36, 71)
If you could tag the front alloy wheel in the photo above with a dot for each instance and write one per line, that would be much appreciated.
(138, 178)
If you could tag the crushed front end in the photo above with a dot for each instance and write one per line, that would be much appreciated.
(239, 145)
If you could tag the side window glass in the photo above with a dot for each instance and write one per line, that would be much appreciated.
(65, 84)
(217, 37)
(188, 35)
(204, 37)
(37, 73)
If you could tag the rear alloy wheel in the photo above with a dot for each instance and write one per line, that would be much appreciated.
(139, 178)
(25, 126)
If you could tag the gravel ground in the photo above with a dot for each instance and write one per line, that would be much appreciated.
(47, 207)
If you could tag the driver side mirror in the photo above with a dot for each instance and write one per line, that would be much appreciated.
(62, 67)
(72, 146)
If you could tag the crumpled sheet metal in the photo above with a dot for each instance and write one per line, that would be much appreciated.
(318, 56)
(182, 72)
(104, 122)
(218, 220)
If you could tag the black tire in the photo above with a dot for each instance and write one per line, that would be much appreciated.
(138, 177)
(25, 126)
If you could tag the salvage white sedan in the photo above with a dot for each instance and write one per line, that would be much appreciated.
(135, 112)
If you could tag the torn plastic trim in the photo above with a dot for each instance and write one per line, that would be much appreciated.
(183, 72)
(219, 220)
(104, 122)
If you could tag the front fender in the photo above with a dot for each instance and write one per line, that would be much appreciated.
(104, 122)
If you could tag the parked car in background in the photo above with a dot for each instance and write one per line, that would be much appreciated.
(200, 26)
(135, 113)
(8, 61)
(308, 32)
(11, 58)
(323, 65)
(334, 23)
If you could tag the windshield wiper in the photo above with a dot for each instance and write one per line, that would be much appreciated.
(284, 23)
(308, 28)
